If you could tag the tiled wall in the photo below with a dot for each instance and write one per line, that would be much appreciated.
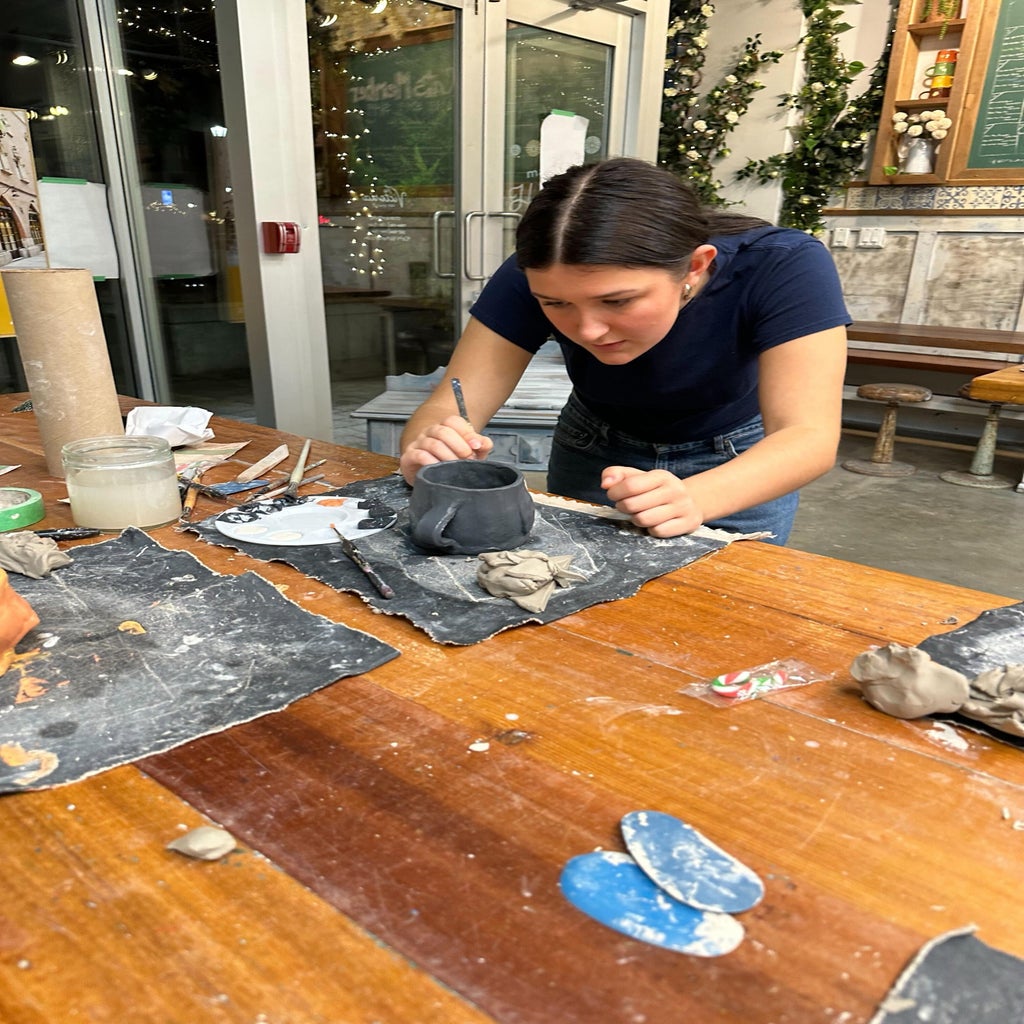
(934, 197)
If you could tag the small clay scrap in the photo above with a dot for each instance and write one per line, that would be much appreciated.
(23, 552)
(204, 843)
(905, 682)
(526, 577)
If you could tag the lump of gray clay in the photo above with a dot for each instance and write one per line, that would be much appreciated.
(906, 683)
(204, 843)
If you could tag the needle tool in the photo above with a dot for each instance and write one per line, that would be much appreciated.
(460, 399)
(359, 559)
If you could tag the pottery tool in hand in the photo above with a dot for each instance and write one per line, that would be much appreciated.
(460, 399)
(359, 559)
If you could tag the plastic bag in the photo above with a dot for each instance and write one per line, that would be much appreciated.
(731, 688)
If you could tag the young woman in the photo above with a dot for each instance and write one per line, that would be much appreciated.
(706, 353)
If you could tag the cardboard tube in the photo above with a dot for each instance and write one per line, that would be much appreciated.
(64, 353)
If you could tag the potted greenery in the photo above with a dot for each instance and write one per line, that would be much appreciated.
(940, 10)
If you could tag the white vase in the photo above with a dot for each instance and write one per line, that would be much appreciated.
(917, 155)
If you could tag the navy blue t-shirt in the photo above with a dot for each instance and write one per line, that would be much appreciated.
(769, 285)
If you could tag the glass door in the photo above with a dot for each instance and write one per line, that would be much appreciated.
(383, 82)
(432, 126)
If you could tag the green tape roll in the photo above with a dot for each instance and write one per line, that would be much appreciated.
(19, 507)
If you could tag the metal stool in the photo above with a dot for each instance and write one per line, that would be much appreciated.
(881, 463)
(980, 474)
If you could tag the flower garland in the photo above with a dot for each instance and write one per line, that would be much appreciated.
(833, 132)
(694, 128)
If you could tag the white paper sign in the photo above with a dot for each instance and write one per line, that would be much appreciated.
(563, 136)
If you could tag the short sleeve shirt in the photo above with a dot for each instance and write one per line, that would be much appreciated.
(768, 286)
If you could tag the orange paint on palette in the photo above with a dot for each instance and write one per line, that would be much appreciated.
(331, 502)
(131, 626)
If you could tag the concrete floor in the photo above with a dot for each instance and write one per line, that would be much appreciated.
(919, 524)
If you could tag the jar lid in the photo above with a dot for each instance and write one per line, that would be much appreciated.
(114, 450)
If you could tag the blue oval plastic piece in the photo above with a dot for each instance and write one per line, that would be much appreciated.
(688, 865)
(611, 888)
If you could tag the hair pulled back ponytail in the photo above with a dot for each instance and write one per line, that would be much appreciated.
(620, 212)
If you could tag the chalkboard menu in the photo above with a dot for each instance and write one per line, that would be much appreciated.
(998, 139)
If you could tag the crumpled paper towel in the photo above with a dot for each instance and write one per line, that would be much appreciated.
(177, 424)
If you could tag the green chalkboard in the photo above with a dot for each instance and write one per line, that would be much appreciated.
(998, 139)
(405, 136)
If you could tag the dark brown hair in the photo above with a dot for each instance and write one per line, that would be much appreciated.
(620, 212)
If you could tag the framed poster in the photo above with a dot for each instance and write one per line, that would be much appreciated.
(21, 222)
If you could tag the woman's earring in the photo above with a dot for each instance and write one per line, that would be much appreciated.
(687, 288)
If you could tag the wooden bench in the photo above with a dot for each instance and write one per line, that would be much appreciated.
(964, 350)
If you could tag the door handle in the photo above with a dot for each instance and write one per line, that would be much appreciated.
(469, 218)
(435, 244)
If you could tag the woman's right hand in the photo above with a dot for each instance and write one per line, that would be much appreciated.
(452, 439)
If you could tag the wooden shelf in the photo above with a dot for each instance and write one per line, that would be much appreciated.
(915, 45)
(934, 28)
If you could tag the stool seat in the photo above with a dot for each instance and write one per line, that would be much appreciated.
(882, 462)
(894, 392)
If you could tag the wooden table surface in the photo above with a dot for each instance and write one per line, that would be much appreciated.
(1002, 386)
(387, 873)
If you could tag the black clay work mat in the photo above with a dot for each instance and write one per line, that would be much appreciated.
(140, 649)
(994, 639)
(439, 593)
(957, 979)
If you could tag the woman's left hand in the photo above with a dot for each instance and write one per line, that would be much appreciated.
(654, 499)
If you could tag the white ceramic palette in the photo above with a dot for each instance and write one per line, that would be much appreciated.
(299, 525)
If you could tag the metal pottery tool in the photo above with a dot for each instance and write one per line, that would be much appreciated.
(277, 492)
(460, 399)
(358, 558)
(69, 532)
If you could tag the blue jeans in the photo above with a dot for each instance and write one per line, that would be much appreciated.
(584, 446)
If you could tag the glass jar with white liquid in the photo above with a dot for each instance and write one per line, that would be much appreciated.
(114, 482)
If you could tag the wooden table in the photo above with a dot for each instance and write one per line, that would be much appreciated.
(388, 873)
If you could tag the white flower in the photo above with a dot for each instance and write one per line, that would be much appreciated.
(731, 79)
(701, 39)
(900, 127)
(692, 154)
(707, 10)
(939, 133)
(931, 127)
(915, 130)
(945, 122)
(700, 126)
(732, 117)
(816, 87)
(900, 115)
